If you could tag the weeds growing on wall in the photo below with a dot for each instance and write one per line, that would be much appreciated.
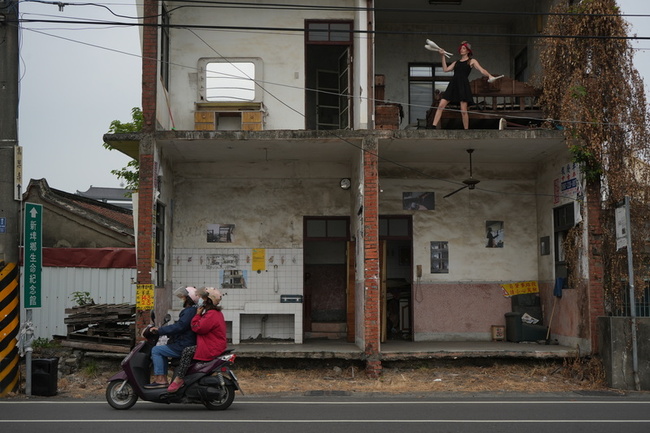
(595, 94)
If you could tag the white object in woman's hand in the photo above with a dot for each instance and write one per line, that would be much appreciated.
(493, 79)
(432, 46)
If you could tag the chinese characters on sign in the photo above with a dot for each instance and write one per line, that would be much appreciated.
(33, 255)
(144, 297)
(520, 288)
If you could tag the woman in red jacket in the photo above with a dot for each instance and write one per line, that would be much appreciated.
(210, 328)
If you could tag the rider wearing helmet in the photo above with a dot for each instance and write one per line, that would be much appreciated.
(180, 336)
(210, 327)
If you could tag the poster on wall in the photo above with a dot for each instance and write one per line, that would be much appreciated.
(233, 279)
(418, 200)
(222, 261)
(220, 233)
(494, 234)
(567, 185)
(259, 259)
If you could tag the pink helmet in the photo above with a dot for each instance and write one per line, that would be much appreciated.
(188, 291)
(212, 293)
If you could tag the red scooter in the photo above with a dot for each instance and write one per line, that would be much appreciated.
(210, 383)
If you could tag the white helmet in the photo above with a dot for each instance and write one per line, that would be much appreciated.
(189, 291)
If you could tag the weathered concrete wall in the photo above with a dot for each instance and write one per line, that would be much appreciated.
(458, 311)
(282, 54)
(616, 351)
(464, 303)
(568, 324)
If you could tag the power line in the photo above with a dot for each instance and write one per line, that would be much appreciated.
(302, 30)
(320, 8)
(299, 30)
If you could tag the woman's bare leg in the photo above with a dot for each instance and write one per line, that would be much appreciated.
(441, 106)
(464, 115)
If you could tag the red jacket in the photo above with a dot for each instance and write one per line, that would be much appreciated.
(210, 328)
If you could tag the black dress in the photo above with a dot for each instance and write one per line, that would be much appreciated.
(458, 89)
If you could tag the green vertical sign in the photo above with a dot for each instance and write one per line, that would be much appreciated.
(33, 255)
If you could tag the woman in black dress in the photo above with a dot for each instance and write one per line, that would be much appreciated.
(458, 91)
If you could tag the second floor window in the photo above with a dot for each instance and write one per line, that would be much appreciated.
(424, 80)
(230, 80)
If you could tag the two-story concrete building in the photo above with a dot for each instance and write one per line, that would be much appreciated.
(286, 158)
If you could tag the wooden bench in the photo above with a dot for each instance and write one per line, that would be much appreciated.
(514, 101)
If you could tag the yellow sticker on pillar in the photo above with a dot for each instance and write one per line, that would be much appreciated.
(144, 297)
(524, 287)
(259, 259)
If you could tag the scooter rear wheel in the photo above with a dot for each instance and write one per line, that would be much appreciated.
(120, 397)
(224, 402)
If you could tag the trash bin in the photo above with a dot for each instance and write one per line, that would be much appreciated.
(513, 327)
(45, 376)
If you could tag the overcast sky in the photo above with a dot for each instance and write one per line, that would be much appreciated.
(76, 79)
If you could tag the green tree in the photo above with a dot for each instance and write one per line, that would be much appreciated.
(130, 173)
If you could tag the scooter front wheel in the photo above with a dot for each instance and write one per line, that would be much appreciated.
(224, 401)
(120, 395)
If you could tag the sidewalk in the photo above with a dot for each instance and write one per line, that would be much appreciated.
(397, 350)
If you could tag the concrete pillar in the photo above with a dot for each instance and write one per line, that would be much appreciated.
(10, 190)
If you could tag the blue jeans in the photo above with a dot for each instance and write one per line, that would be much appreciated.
(159, 355)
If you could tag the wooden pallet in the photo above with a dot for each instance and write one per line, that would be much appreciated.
(105, 327)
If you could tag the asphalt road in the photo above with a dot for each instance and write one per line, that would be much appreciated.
(570, 413)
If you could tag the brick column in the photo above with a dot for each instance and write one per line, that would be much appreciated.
(372, 317)
(146, 215)
(145, 192)
(594, 255)
(149, 65)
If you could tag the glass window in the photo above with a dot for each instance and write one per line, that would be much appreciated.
(395, 227)
(230, 81)
(439, 257)
(160, 245)
(329, 31)
(424, 80)
(332, 228)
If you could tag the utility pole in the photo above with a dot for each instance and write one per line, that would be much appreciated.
(10, 196)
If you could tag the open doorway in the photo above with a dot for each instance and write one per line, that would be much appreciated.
(325, 285)
(328, 74)
(395, 235)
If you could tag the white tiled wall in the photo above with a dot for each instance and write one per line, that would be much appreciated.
(283, 275)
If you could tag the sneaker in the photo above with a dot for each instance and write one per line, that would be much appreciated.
(155, 385)
(175, 386)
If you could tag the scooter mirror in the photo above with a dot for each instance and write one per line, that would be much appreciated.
(153, 316)
(168, 318)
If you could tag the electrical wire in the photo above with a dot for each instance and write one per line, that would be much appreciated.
(343, 139)
(298, 30)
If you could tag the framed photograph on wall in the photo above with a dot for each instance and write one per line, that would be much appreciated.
(494, 234)
(418, 200)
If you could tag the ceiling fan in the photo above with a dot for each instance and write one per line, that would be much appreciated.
(470, 182)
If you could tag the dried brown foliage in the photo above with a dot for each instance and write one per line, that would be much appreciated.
(594, 93)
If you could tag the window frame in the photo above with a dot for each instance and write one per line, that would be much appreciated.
(563, 221)
(165, 47)
(159, 252)
(203, 85)
(437, 79)
(329, 40)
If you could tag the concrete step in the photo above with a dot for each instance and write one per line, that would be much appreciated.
(326, 335)
(328, 327)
